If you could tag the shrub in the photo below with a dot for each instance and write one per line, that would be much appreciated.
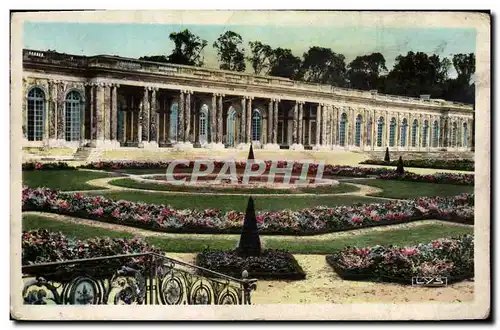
(270, 264)
(446, 178)
(36, 166)
(449, 257)
(400, 169)
(387, 158)
(445, 164)
(249, 244)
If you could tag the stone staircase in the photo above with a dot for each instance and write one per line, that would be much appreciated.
(87, 154)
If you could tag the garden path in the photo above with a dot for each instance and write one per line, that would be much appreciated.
(149, 233)
(323, 286)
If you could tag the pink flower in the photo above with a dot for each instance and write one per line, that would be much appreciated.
(260, 219)
(99, 211)
(409, 251)
(166, 212)
(357, 219)
(116, 213)
(38, 166)
(436, 244)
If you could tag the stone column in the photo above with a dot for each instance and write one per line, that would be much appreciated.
(187, 117)
(60, 111)
(275, 121)
(295, 123)
(145, 115)
(114, 112)
(270, 118)
(51, 110)
(300, 122)
(318, 123)
(323, 125)
(374, 124)
(249, 120)
(99, 122)
(242, 135)
(213, 115)
(180, 119)
(219, 119)
(153, 132)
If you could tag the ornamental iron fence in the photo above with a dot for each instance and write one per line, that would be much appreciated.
(142, 279)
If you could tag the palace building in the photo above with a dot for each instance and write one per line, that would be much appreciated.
(110, 102)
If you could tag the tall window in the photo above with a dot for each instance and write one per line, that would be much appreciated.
(203, 123)
(425, 133)
(392, 133)
(36, 114)
(454, 131)
(380, 131)
(343, 121)
(414, 129)
(369, 131)
(357, 137)
(173, 121)
(435, 134)
(73, 116)
(256, 119)
(465, 141)
(231, 117)
(404, 129)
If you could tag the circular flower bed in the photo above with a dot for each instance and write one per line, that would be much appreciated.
(301, 222)
(452, 258)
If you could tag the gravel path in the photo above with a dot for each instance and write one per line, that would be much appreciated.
(323, 237)
(324, 286)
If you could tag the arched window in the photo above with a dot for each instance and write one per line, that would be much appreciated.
(392, 133)
(465, 141)
(369, 131)
(425, 133)
(380, 131)
(256, 119)
(454, 132)
(174, 121)
(73, 116)
(404, 129)
(414, 129)
(357, 137)
(435, 134)
(342, 124)
(36, 114)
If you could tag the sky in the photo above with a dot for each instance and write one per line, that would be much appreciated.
(135, 40)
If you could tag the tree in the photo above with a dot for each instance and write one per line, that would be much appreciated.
(465, 65)
(387, 158)
(154, 58)
(261, 57)
(364, 71)
(284, 63)
(229, 52)
(188, 48)
(249, 244)
(417, 73)
(323, 66)
(250, 153)
(400, 169)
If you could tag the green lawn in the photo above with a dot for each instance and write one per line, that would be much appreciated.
(62, 179)
(400, 237)
(69, 229)
(227, 203)
(130, 183)
(408, 190)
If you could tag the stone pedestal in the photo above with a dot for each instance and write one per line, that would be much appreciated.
(105, 144)
(150, 145)
(320, 147)
(297, 146)
(183, 146)
(215, 146)
(243, 146)
(271, 146)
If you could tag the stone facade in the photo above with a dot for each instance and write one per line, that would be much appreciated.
(124, 102)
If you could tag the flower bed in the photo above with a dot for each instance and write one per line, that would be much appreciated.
(334, 170)
(41, 246)
(36, 166)
(451, 258)
(302, 222)
(448, 178)
(445, 164)
(270, 265)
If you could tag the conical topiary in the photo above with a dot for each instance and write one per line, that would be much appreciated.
(400, 169)
(250, 153)
(387, 159)
(249, 241)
